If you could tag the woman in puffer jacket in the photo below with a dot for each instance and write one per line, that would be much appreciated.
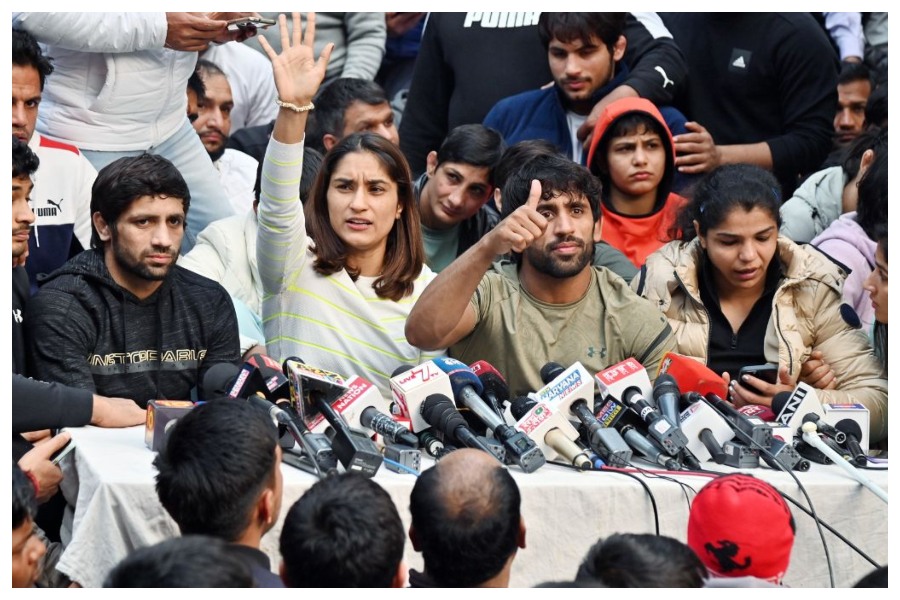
(737, 294)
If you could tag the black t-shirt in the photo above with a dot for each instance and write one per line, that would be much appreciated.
(729, 350)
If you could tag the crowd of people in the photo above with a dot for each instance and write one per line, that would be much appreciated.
(374, 190)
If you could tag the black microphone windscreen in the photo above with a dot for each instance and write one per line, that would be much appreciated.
(849, 427)
(401, 369)
(551, 371)
(439, 411)
(520, 406)
(665, 384)
(218, 379)
(779, 400)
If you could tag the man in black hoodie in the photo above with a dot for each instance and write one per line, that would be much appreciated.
(122, 319)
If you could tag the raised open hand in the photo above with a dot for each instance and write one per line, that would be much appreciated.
(297, 73)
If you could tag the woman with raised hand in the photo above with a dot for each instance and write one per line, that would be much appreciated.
(736, 294)
(339, 281)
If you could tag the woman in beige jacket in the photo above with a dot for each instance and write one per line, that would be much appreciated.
(737, 294)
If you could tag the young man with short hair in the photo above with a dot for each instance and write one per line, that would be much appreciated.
(233, 495)
(27, 546)
(549, 303)
(237, 171)
(344, 531)
(585, 52)
(122, 319)
(454, 193)
(349, 105)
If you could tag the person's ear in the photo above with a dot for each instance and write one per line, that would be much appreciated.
(265, 507)
(401, 576)
(865, 162)
(697, 232)
(498, 199)
(431, 163)
(329, 141)
(598, 228)
(520, 540)
(619, 48)
(103, 229)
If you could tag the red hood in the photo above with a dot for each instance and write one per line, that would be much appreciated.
(616, 110)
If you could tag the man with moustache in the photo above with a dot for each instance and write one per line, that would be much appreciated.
(547, 304)
(585, 53)
(61, 197)
(237, 171)
(122, 319)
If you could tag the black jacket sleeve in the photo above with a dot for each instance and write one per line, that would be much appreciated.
(424, 123)
(41, 405)
(657, 67)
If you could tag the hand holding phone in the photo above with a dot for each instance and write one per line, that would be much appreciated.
(249, 23)
(767, 372)
(57, 456)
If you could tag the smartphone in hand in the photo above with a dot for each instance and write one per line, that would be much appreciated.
(767, 372)
(61, 453)
(249, 23)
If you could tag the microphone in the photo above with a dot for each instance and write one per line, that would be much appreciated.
(660, 428)
(667, 395)
(275, 384)
(359, 407)
(705, 430)
(692, 375)
(573, 387)
(838, 436)
(496, 391)
(318, 452)
(439, 411)
(412, 385)
(752, 431)
(219, 380)
(548, 427)
(431, 443)
(852, 430)
(316, 389)
(614, 380)
(791, 407)
(810, 437)
(647, 449)
(466, 387)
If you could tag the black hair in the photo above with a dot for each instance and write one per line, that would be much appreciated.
(472, 144)
(24, 160)
(725, 188)
(877, 107)
(217, 460)
(345, 531)
(123, 181)
(570, 26)
(872, 205)
(468, 544)
(24, 505)
(874, 139)
(518, 155)
(631, 123)
(332, 102)
(880, 331)
(633, 560)
(26, 52)
(854, 71)
(191, 561)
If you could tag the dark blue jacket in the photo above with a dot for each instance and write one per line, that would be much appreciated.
(540, 114)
